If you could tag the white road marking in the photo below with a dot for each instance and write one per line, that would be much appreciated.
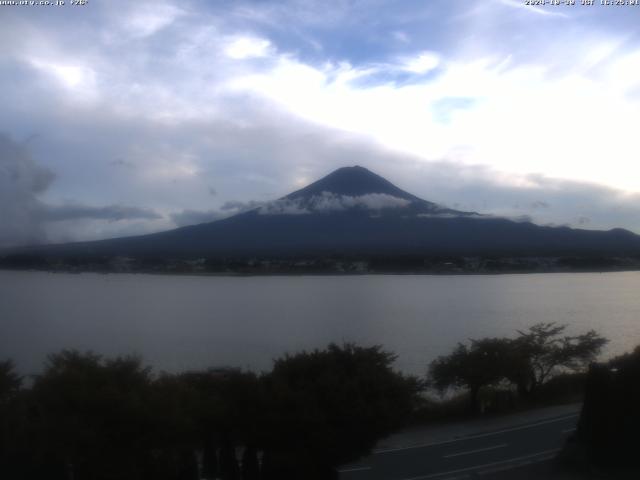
(471, 437)
(469, 452)
(485, 465)
(354, 469)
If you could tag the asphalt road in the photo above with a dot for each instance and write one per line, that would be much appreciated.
(465, 456)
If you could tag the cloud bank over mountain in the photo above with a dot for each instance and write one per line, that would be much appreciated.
(330, 202)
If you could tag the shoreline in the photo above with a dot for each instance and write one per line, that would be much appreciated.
(321, 274)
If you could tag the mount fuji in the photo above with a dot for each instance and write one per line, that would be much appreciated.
(353, 211)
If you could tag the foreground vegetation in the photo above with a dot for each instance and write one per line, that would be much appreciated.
(89, 417)
(607, 434)
(524, 364)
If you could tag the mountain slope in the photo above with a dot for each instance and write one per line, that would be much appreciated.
(354, 211)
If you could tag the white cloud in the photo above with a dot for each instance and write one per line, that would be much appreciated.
(423, 63)
(283, 206)
(330, 202)
(77, 80)
(69, 75)
(148, 19)
(241, 48)
(524, 117)
(373, 201)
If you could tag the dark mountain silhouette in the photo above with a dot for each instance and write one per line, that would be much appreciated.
(353, 181)
(353, 211)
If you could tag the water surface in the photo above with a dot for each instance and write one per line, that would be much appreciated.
(182, 322)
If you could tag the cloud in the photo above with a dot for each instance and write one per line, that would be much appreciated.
(539, 204)
(227, 209)
(486, 125)
(247, 47)
(70, 76)
(26, 218)
(112, 213)
(258, 98)
(422, 63)
(330, 202)
(235, 206)
(147, 19)
(544, 200)
(325, 203)
(194, 217)
(21, 181)
(372, 201)
(284, 206)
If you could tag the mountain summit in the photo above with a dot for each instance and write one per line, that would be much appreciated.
(353, 211)
(352, 181)
(355, 189)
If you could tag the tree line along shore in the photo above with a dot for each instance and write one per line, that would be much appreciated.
(326, 264)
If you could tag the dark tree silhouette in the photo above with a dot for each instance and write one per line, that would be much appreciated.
(527, 361)
(543, 351)
(10, 381)
(90, 415)
(86, 417)
(607, 433)
(328, 407)
(480, 364)
(224, 408)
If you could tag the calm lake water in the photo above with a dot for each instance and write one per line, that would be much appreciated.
(183, 322)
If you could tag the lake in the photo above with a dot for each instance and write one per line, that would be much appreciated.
(184, 322)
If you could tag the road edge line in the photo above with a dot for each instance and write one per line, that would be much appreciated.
(480, 435)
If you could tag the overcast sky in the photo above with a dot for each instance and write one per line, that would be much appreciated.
(124, 117)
